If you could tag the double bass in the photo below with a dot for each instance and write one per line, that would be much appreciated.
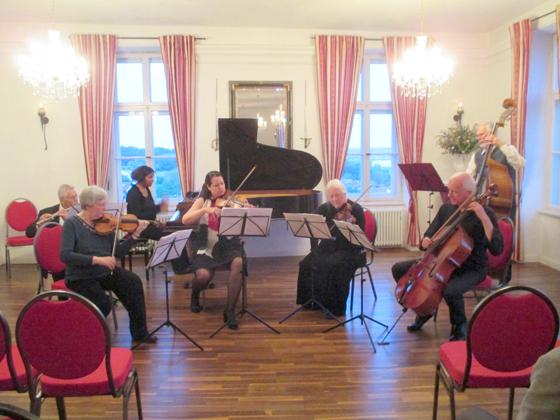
(492, 172)
(421, 288)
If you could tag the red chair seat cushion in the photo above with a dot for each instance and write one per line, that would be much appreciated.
(60, 285)
(19, 241)
(453, 355)
(6, 383)
(96, 383)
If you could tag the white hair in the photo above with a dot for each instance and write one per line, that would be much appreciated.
(466, 180)
(335, 184)
(63, 191)
(91, 195)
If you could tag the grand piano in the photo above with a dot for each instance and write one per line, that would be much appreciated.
(284, 179)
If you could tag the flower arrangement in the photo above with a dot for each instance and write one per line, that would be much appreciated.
(459, 139)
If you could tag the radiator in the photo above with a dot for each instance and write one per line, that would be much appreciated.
(390, 226)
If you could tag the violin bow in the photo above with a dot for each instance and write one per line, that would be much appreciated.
(241, 184)
(117, 229)
(363, 194)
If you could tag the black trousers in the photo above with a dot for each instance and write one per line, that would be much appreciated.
(127, 286)
(459, 283)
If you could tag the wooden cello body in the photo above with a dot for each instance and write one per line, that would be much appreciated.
(498, 175)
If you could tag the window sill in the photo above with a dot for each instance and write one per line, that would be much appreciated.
(551, 211)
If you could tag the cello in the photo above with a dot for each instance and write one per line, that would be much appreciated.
(495, 173)
(421, 288)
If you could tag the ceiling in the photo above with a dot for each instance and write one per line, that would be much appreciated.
(364, 15)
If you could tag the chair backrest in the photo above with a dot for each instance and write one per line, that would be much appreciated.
(46, 245)
(500, 262)
(510, 329)
(370, 227)
(6, 352)
(20, 213)
(64, 339)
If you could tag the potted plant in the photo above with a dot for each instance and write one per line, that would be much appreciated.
(459, 141)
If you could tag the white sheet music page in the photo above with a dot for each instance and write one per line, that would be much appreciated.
(246, 221)
(308, 225)
(354, 234)
(169, 247)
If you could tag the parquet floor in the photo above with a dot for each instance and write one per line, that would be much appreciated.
(302, 373)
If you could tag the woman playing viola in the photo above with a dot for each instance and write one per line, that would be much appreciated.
(212, 250)
(91, 268)
(141, 203)
(333, 261)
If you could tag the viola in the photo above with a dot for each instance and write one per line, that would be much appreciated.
(107, 224)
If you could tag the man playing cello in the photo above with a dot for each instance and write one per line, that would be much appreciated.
(481, 225)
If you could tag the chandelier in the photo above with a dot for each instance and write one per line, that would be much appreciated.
(53, 71)
(421, 71)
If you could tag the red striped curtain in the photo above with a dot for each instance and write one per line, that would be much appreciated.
(339, 61)
(410, 121)
(520, 33)
(96, 103)
(179, 60)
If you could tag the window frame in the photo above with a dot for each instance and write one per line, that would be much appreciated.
(147, 109)
(367, 108)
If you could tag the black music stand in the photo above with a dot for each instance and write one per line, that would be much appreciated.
(423, 177)
(356, 236)
(312, 226)
(168, 248)
(245, 222)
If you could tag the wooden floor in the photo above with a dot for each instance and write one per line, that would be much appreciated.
(302, 373)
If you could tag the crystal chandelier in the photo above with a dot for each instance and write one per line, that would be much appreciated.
(54, 71)
(421, 71)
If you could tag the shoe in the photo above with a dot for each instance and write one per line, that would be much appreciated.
(229, 319)
(418, 323)
(187, 285)
(195, 301)
(152, 339)
(458, 332)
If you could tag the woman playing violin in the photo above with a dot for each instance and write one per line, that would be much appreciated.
(212, 250)
(481, 225)
(333, 261)
(91, 268)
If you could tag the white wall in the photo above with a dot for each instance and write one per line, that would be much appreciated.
(480, 82)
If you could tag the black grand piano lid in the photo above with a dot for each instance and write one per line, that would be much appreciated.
(277, 168)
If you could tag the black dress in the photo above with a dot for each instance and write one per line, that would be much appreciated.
(144, 208)
(331, 264)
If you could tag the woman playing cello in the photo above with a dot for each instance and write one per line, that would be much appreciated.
(481, 225)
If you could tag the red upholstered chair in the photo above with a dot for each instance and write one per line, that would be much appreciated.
(509, 330)
(499, 265)
(12, 370)
(46, 245)
(16, 413)
(69, 343)
(370, 229)
(20, 213)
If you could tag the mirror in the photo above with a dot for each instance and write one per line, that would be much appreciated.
(271, 104)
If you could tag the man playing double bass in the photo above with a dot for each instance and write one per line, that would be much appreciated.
(481, 225)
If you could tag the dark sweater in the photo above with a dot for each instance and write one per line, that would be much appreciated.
(142, 207)
(80, 243)
(31, 230)
(340, 242)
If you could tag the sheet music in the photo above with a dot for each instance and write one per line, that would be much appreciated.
(246, 221)
(354, 234)
(316, 226)
(169, 247)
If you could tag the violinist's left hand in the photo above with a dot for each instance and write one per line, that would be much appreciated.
(142, 224)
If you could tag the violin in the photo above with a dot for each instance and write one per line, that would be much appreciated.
(231, 201)
(107, 224)
(344, 213)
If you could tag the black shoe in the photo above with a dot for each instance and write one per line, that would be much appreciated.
(195, 301)
(458, 332)
(418, 323)
(152, 339)
(229, 319)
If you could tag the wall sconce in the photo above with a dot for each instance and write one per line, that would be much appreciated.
(42, 113)
(459, 115)
(306, 141)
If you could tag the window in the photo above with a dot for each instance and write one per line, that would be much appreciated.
(372, 150)
(142, 127)
(555, 172)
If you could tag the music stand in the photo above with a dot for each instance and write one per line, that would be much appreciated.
(312, 226)
(356, 236)
(423, 177)
(247, 221)
(168, 248)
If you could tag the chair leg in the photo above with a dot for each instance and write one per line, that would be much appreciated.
(61, 408)
(452, 402)
(510, 405)
(352, 293)
(8, 263)
(129, 262)
(138, 399)
(113, 310)
(371, 282)
(146, 260)
(436, 394)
